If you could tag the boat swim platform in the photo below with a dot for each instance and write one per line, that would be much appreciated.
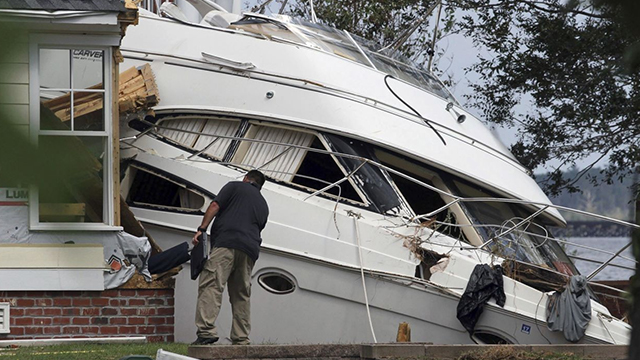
(390, 351)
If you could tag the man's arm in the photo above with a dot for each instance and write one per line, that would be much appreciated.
(211, 212)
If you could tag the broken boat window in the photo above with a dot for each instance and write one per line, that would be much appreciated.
(266, 27)
(155, 191)
(319, 170)
(373, 180)
(422, 200)
(283, 154)
(528, 243)
(209, 135)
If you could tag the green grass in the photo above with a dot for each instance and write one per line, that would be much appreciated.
(89, 351)
(118, 351)
(507, 353)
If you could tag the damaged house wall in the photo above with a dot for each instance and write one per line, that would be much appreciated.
(61, 241)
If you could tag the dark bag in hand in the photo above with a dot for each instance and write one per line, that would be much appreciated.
(199, 255)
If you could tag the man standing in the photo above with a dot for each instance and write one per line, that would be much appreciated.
(240, 214)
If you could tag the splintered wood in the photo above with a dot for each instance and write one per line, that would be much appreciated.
(137, 90)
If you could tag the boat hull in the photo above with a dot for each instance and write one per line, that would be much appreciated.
(327, 306)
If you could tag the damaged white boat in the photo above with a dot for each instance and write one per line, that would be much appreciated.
(384, 193)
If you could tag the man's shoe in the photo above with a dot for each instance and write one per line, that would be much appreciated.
(204, 341)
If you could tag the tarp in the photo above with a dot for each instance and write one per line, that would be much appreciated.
(485, 282)
(569, 311)
(169, 258)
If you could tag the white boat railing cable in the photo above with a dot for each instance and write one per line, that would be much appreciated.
(600, 262)
(456, 199)
(204, 148)
(407, 177)
(558, 240)
(314, 18)
(364, 285)
(261, 167)
(604, 264)
(336, 183)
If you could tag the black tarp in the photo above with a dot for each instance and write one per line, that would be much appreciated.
(485, 282)
(169, 258)
(569, 311)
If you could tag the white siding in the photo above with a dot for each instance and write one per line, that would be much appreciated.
(16, 114)
(14, 94)
(14, 78)
(51, 267)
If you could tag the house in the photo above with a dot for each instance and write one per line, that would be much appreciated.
(65, 255)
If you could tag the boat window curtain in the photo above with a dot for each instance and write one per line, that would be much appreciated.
(280, 162)
(182, 132)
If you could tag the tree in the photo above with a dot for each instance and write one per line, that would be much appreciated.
(570, 64)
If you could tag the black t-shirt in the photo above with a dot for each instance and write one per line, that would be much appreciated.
(242, 216)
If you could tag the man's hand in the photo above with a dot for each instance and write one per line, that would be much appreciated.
(195, 240)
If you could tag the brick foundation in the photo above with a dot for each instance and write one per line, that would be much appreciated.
(86, 314)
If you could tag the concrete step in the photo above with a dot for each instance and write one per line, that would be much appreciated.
(395, 350)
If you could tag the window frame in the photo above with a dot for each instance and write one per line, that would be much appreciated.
(104, 43)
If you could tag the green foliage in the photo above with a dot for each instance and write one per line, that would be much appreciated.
(560, 74)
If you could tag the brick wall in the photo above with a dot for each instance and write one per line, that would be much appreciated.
(82, 314)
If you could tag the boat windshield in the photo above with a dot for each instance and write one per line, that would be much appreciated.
(346, 45)
(531, 242)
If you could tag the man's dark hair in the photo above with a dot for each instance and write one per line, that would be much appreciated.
(256, 177)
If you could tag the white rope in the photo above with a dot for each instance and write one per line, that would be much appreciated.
(364, 287)
(314, 19)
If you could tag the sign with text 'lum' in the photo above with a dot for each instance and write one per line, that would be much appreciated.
(14, 196)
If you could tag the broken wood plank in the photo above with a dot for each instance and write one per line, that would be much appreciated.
(137, 89)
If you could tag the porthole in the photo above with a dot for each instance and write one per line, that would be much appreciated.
(484, 337)
(276, 283)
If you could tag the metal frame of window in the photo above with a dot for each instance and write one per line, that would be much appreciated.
(73, 42)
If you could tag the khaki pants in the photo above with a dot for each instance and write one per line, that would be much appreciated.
(235, 267)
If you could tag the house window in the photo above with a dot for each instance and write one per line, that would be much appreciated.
(71, 112)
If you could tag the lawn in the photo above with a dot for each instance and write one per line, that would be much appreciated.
(89, 351)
